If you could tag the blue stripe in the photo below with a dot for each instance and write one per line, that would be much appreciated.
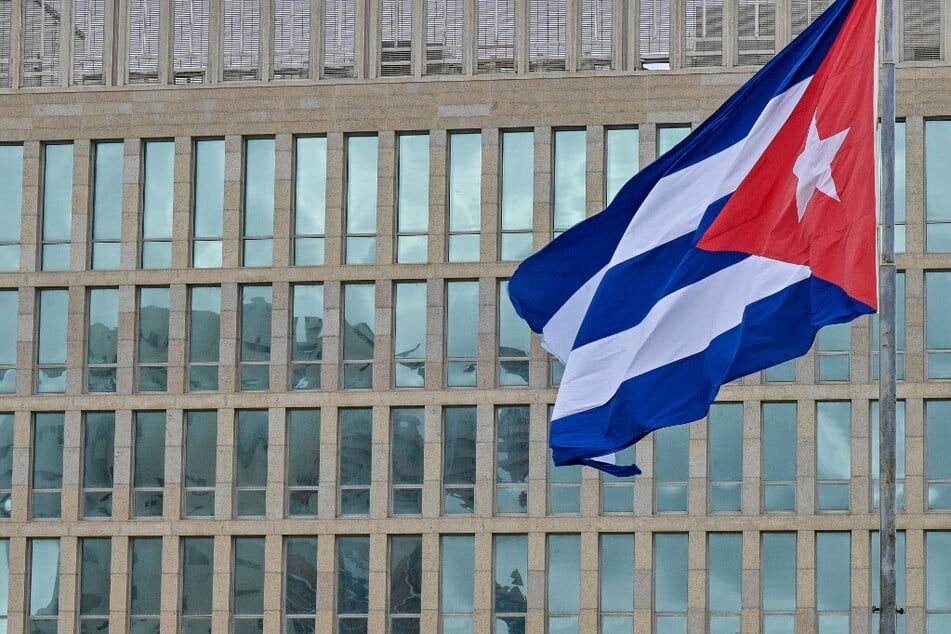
(545, 281)
(682, 391)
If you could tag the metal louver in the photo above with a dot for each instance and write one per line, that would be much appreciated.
(546, 35)
(653, 29)
(703, 22)
(143, 41)
(291, 44)
(597, 33)
(241, 41)
(41, 33)
(804, 12)
(921, 30)
(496, 37)
(88, 30)
(444, 23)
(190, 63)
(396, 35)
(756, 31)
(339, 25)
(6, 16)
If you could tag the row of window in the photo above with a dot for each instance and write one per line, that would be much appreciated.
(352, 441)
(353, 591)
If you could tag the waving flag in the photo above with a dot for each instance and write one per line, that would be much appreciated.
(723, 257)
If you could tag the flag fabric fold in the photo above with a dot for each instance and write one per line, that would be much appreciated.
(724, 256)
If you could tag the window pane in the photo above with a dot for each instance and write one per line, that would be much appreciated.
(209, 202)
(778, 559)
(724, 570)
(512, 445)
(307, 325)
(201, 439)
(670, 572)
(44, 577)
(353, 575)
(9, 305)
(361, 192)
(938, 329)
(102, 337)
(564, 573)
(518, 194)
(409, 342)
(511, 574)
(779, 441)
(938, 573)
(457, 588)
(833, 571)
(153, 325)
(413, 185)
(514, 341)
(405, 573)
(57, 206)
(617, 572)
(251, 440)
(465, 181)
(311, 190)
(96, 572)
(937, 166)
(621, 160)
(259, 187)
(11, 192)
(462, 333)
(303, 447)
(834, 442)
(145, 582)
(204, 324)
(300, 575)
(669, 136)
(107, 199)
(98, 462)
(725, 439)
(407, 446)
(570, 172)
(671, 453)
(158, 191)
(248, 589)
(197, 579)
(53, 321)
(6, 461)
(256, 323)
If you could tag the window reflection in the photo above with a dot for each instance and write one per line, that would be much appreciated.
(204, 330)
(98, 463)
(145, 583)
(409, 341)
(148, 472)
(44, 586)
(621, 159)
(6, 464)
(355, 460)
(353, 583)
(47, 479)
(518, 194)
(255, 351)
(106, 209)
(510, 571)
(247, 591)
(95, 570)
(779, 456)
(359, 318)
(412, 198)
(937, 186)
(303, 461)
(361, 184)
(406, 461)
(102, 339)
(250, 463)
(152, 344)
(300, 583)
(616, 569)
(197, 583)
(938, 580)
(209, 202)
(937, 326)
(725, 460)
(569, 174)
(11, 192)
(310, 199)
(9, 307)
(201, 439)
(462, 333)
(51, 345)
(57, 209)
(258, 222)
(514, 342)
(465, 196)
(459, 459)
(307, 329)
(778, 582)
(724, 581)
(833, 581)
(511, 459)
(158, 191)
(670, 582)
(937, 446)
(405, 576)
(833, 455)
(564, 582)
(671, 471)
(457, 587)
(834, 345)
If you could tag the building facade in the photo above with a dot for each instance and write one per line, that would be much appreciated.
(261, 373)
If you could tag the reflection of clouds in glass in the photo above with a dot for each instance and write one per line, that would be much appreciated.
(361, 184)
(670, 573)
(259, 187)
(834, 442)
(458, 565)
(518, 169)
(410, 338)
(209, 187)
(569, 178)
(413, 195)
(11, 183)
(44, 576)
(107, 220)
(159, 190)
(462, 319)
(53, 321)
(58, 191)
(724, 567)
(622, 159)
(311, 181)
(514, 334)
(465, 181)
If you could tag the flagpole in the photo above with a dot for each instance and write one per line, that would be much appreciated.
(887, 356)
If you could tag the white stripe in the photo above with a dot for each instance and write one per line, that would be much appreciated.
(674, 208)
(678, 326)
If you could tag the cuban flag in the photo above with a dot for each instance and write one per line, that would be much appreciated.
(723, 257)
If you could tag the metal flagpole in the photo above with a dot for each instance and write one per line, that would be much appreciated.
(887, 356)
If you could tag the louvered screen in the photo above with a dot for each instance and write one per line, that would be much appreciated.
(756, 31)
(654, 32)
(496, 42)
(546, 34)
(597, 30)
(703, 21)
(444, 20)
(241, 40)
(804, 12)
(143, 41)
(339, 24)
(396, 35)
(41, 31)
(190, 63)
(6, 16)
(921, 30)
(88, 29)
(291, 39)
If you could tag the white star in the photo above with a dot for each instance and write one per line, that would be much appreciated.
(813, 167)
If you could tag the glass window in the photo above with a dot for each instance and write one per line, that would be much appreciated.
(6, 469)
(11, 192)
(95, 573)
(653, 27)
(145, 584)
(833, 581)
(310, 199)
(833, 455)
(621, 151)
(190, 47)
(546, 35)
(564, 583)
(756, 31)
(88, 27)
(152, 344)
(307, 330)
(353, 583)
(725, 456)
(209, 203)
(9, 319)
(875, 336)
(241, 45)
(458, 459)
(784, 372)
(833, 352)
(204, 337)
(359, 316)
(300, 584)
(514, 341)
(406, 461)
(53, 319)
(671, 468)
(704, 33)
(518, 194)
(457, 583)
(937, 450)
(616, 572)
(412, 198)
(937, 186)
(4, 582)
(41, 44)
(462, 333)
(670, 582)
(465, 195)
(670, 135)
(250, 463)
(247, 590)
(405, 577)
(778, 582)
(938, 580)
(198, 556)
(290, 45)
(409, 338)
(361, 184)
(355, 460)
(47, 481)
(99, 431)
(148, 470)
(617, 494)
(778, 457)
(564, 486)
(510, 573)
(158, 195)
(597, 34)
(258, 222)
(57, 206)
(569, 174)
(511, 459)
(724, 581)
(875, 578)
(143, 42)
(201, 441)
(900, 212)
(303, 461)
(444, 45)
(937, 326)
(496, 36)
(339, 19)
(102, 339)
(106, 209)
(255, 351)
(874, 441)
(44, 586)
